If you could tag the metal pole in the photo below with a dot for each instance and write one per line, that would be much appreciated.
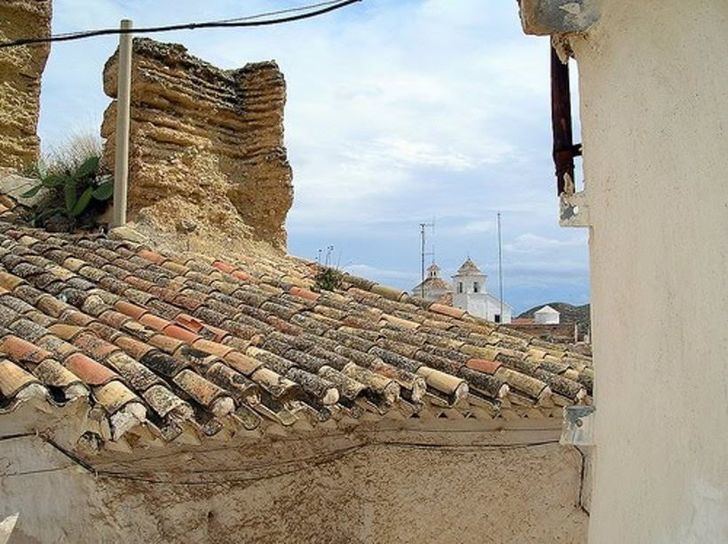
(123, 104)
(422, 259)
(500, 267)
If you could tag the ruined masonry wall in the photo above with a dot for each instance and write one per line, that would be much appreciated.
(20, 74)
(206, 144)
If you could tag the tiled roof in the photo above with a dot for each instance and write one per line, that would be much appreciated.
(468, 268)
(432, 283)
(192, 346)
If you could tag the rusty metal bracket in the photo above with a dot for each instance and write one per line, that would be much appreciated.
(564, 149)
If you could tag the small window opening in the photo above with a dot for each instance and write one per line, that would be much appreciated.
(497, 318)
(460, 287)
(476, 287)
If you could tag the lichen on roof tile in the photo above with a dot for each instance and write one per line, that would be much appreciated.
(195, 343)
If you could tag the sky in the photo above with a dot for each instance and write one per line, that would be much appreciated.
(399, 112)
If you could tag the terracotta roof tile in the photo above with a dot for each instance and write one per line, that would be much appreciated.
(483, 365)
(191, 342)
(114, 396)
(13, 379)
(22, 351)
(89, 370)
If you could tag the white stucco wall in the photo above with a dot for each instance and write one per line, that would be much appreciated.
(481, 305)
(547, 316)
(654, 112)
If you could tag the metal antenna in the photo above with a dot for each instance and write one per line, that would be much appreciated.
(500, 266)
(433, 239)
(423, 254)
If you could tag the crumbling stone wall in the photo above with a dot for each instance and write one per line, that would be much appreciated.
(464, 494)
(20, 73)
(206, 144)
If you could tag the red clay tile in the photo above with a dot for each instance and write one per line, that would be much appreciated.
(190, 323)
(175, 331)
(114, 396)
(175, 268)
(142, 285)
(224, 267)
(284, 326)
(92, 344)
(22, 351)
(200, 389)
(133, 347)
(77, 318)
(304, 294)
(67, 332)
(213, 348)
(483, 365)
(188, 303)
(113, 319)
(13, 378)
(89, 370)
(151, 256)
(240, 275)
(447, 310)
(166, 343)
(218, 334)
(154, 322)
(132, 310)
(53, 373)
(242, 363)
(8, 281)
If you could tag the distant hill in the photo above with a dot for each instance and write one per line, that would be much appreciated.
(569, 314)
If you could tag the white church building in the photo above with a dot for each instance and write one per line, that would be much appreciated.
(468, 290)
(470, 293)
(434, 288)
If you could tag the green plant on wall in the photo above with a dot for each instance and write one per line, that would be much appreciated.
(76, 192)
(328, 279)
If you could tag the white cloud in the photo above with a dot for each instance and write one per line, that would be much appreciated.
(397, 111)
(367, 271)
(534, 244)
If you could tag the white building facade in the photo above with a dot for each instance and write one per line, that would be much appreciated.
(434, 287)
(546, 316)
(470, 294)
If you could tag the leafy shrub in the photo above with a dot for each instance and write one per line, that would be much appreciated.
(76, 192)
(328, 279)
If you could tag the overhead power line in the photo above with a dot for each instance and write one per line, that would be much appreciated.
(261, 19)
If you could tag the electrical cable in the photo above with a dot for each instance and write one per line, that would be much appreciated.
(249, 21)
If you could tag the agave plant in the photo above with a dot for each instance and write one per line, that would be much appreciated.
(71, 192)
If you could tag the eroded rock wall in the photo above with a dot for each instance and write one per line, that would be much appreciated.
(20, 74)
(206, 144)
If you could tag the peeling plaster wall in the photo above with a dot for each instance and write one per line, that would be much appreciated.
(654, 112)
(382, 493)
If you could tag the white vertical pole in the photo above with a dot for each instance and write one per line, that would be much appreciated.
(500, 268)
(123, 101)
